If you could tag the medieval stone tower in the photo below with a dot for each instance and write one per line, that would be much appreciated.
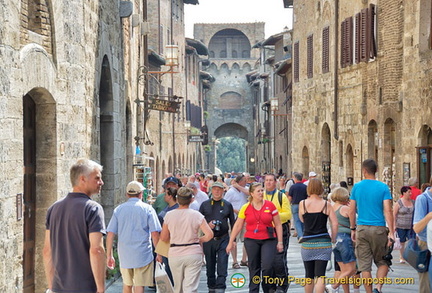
(230, 101)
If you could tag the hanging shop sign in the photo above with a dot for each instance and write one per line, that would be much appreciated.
(163, 105)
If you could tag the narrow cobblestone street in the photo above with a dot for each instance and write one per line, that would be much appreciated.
(296, 270)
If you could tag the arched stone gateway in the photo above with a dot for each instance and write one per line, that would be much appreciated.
(230, 101)
(232, 130)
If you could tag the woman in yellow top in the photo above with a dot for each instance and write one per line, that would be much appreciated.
(262, 221)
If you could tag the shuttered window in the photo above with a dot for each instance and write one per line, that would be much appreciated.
(364, 36)
(343, 40)
(357, 37)
(310, 56)
(296, 61)
(371, 28)
(366, 33)
(326, 50)
(347, 42)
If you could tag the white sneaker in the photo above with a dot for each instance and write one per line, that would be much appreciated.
(330, 289)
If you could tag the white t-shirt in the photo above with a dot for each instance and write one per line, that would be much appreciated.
(201, 197)
(236, 198)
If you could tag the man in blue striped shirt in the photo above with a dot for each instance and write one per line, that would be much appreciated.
(134, 222)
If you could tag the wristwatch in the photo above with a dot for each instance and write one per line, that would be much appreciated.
(353, 228)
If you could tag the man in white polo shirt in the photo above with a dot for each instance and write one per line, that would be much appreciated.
(237, 198)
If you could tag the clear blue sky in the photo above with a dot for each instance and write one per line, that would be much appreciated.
(272, 12)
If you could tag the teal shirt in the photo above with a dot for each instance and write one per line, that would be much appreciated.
(160, 204)
(370, 196)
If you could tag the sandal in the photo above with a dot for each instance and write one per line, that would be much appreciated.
(236, 266)
(244, 263)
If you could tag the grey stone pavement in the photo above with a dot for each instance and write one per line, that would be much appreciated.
(296, 269)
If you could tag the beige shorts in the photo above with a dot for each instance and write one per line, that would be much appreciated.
(371, 244)
(138, 277)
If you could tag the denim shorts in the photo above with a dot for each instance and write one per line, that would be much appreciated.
(404, 234)
(344, 250)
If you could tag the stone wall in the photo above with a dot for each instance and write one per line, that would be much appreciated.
(60, 67)
(378, 112)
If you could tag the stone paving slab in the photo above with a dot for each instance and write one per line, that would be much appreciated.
(296, 270)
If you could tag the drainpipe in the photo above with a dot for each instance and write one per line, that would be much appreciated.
(336, 72)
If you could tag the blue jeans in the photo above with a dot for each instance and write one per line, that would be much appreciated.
(297, 223)
(216, 261)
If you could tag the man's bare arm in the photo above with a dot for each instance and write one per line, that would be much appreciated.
(97, 260)
(47, 259)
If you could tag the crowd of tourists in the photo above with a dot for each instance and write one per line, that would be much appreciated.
(206, 218)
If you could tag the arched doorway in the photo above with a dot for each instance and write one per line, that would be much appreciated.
(40, 185)
(106, 137)
(389, 153)
(326, 157)
(424, 154)
(305, 161)
(373, 140)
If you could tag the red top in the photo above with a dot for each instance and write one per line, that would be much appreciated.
(257, 221)
(415, 192)
(203, 186)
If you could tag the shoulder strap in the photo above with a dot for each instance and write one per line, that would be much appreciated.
(279, 197)
(324, 207)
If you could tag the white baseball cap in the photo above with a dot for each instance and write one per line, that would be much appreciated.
(134, 187)
(312, 174)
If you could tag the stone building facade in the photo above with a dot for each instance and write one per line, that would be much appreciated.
(230, 101)
(62, 98)
(360, 83)
(71, 86)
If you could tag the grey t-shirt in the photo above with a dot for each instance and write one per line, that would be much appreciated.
(70, 221)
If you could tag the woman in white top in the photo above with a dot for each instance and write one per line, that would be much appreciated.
(181, 228)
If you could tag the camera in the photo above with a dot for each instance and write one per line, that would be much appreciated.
(388, 257)
(217, 224)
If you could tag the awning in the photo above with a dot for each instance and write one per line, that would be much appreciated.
(199, 46)
(194, 2)
(155, 59)
(206, 84)
(288, 3)
(270, 60)
(272, 40)
(206, 76)
(190, 50)
(249, 75)
(264, 75)
(283, 67)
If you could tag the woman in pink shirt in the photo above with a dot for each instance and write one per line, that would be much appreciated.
(181, 228)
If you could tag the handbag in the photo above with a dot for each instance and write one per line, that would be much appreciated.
(397, 245)
(416, 257)
(163, 283)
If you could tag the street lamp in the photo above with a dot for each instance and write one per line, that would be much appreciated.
(274, 104)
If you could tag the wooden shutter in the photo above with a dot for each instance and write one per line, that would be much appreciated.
(373, 45)
(357, 37)
(310, 56)
(342, 58)
(296, 61)
(326, 49)
(364, 36)
(349, 41)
